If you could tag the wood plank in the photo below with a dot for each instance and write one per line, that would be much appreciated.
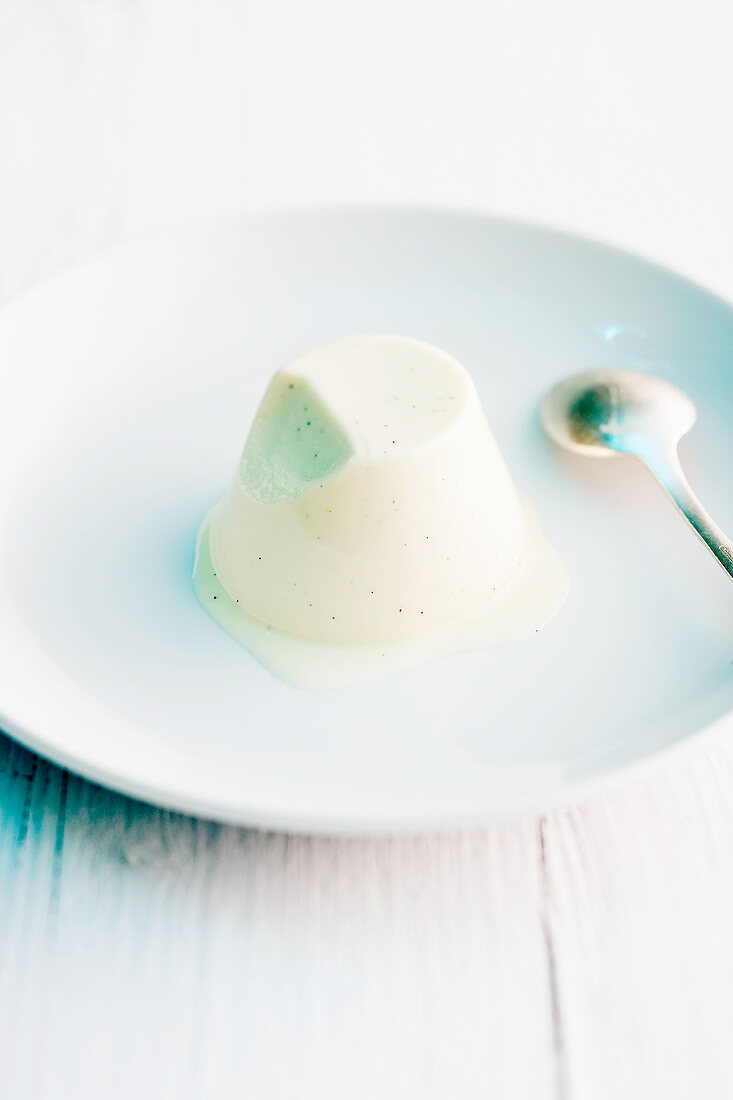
(641, 904)
(163, 953)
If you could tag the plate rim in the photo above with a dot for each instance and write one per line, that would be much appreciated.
(573, 793)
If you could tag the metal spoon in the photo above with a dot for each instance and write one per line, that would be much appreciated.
(607, 412)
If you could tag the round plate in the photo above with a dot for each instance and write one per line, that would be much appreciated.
(128, 389)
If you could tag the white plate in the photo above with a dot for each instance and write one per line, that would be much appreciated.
(128, 386)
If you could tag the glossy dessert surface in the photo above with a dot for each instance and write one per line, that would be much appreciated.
(371, 505)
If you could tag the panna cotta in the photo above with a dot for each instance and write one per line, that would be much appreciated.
(371, 507)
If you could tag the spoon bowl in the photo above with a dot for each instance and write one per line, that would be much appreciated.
(606, 412)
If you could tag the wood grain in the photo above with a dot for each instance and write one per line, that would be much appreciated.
(159, 952)
(586, 954)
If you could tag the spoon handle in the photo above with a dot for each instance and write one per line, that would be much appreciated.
(669, 472)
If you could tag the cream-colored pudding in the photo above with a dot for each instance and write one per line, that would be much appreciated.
(371, 506)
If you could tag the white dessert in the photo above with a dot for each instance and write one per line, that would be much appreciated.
(371, 505)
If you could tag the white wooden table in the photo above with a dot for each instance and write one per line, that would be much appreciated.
(587, 954)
